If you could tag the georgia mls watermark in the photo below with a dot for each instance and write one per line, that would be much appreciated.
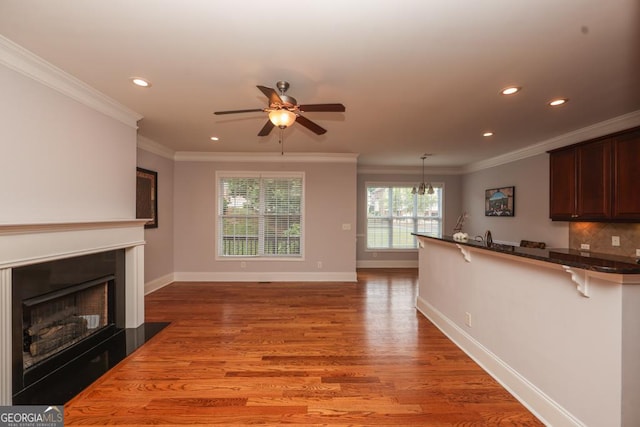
(31, 416)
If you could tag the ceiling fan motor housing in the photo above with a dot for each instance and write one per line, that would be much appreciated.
(282, 86)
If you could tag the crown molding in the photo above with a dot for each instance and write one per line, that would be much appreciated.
(411, 170)
(188, 156)
(596, 130)
(19, 59)
(151, 146)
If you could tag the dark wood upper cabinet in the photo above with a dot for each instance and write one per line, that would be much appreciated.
(562, 204)
(626, 176)
(593, 169)
(596, 180)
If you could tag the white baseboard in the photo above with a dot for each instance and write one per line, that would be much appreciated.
(158, 283)
(233, 276)
(541, 405)
(386, 264)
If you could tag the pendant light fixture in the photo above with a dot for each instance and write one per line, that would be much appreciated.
(423, 187)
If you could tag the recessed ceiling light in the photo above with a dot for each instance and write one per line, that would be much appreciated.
(215, 138)
(140, 82)
(487, 134)
(559, 101)
(510, 90)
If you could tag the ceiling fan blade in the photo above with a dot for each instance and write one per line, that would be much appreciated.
(310, 125)
(273, 96)
(323, 107)
(266, 129)
(253, 110)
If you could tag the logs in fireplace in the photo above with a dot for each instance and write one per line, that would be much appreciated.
(53, 332)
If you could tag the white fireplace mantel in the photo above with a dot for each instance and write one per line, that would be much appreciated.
(25, 244)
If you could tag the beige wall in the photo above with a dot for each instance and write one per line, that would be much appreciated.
(530, 176)
(158, 256)
(330, 203)
(60, 160)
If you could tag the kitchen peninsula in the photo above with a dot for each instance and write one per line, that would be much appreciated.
(558, 329)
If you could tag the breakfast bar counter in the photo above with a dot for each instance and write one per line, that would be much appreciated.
(586, 260)
(559, 328)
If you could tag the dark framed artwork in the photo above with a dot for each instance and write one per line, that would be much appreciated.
(500, 201)
(147, 196)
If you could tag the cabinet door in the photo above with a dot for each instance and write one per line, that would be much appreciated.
(593, 191)
(562, 184)
(626, 176)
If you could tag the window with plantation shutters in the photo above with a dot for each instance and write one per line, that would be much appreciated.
(260, 215)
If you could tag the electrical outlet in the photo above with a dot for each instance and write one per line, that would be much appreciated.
(637, 252)
(243, 264)
(585, 246)
(615, 240)
(319, 264)
(467, 319)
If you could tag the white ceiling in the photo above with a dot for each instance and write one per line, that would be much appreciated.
(416, 76)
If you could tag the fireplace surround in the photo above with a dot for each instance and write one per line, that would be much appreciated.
(23, 245)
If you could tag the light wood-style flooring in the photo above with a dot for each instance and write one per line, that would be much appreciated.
(331, 354)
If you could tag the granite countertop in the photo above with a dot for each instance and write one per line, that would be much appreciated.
(603, 263)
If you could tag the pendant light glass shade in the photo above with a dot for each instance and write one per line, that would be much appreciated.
(282, 118)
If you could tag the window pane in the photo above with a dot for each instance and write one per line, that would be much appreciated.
(402, 202)
(240, 196)
(282, 234)
(429, 226)
(378, 201)
(239, 236)
(402, 229)
(283, 200)
(378, 230)
(429, 204)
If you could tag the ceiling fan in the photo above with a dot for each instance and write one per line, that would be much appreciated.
(284, 110)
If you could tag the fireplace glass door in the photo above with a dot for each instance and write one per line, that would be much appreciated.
(55, 321)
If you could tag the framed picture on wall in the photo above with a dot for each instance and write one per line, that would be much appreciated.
(147, 196)
(500, 201)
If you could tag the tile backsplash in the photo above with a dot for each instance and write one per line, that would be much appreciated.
(598, 236)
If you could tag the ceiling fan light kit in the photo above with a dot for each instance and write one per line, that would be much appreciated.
(284, 110)
(282, 118)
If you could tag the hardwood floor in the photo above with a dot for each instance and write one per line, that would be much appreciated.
(332, 354)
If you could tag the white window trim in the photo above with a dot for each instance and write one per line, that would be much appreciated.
(260, 174)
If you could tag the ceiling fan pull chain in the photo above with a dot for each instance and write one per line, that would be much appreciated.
(281, 142)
